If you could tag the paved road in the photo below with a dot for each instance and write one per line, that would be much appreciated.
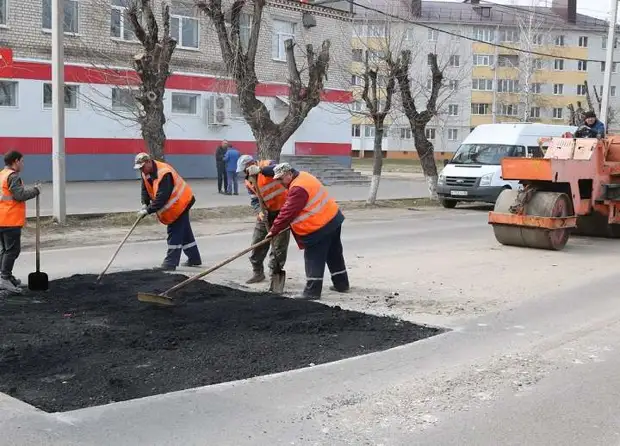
(531, 358)
(124, 196)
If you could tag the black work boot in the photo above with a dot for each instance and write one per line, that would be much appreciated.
(165, 267)
(259, 276)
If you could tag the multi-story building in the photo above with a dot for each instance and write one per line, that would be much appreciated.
(501, 63)
(102, 135)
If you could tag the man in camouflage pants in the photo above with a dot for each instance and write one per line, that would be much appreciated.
(274, 195)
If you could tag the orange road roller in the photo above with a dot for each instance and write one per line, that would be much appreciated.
(575, 188)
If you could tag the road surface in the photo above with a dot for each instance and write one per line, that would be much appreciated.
(531, 358)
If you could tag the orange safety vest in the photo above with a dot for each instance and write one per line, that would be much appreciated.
(273, 192)
(179, 199)
(12, 212)
(318, 211)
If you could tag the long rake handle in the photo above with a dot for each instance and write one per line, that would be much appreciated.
(219, 265)
(118, 249)
(37, 244)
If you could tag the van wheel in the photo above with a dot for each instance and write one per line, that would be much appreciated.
(447, 203)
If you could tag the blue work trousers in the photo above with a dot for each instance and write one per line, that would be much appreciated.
(181, 238)
(233, 185)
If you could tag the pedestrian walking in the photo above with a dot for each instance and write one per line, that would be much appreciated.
(12, 217)
(166, 194)
(231, 158)
(220, 164)
(316, 223)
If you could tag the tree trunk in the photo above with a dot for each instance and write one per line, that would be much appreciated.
(427, 160)
(377, 164)
(269, 147)
(152, 125)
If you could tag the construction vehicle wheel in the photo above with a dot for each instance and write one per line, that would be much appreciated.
(541, 204)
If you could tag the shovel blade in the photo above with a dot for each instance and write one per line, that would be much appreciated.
(156, 299)
(278, 281)
(38, 281)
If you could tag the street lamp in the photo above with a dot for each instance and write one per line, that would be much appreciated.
(609, 60)
(58, 112)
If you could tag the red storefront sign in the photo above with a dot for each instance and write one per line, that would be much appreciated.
(6, 62)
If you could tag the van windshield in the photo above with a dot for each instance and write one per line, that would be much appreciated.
(490, 154)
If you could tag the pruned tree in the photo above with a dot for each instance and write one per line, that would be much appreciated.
(152, 65)
(240, 63)
(419, 119)
(378, 107)
(576, 115)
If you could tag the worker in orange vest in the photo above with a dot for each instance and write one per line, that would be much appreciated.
(12, 217)
(316, 222)
(274, 196)
(166, 194)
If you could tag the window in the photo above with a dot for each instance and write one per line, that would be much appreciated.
(614, 67)
(4, 10)
(483, 60)
(509, 110)
(612, 90)
(604, 45)
(507, 85)
(357, 106)
(8, 93)
(185, 103)
(582, 65)
(508, 61)
(282, 31)
(558, 64)
(120, 26)
(581, 90)
(537, 39)
(405, 133)
(377, 29)
(429, 84)
(356, 130)
(245, 27)
(409, 34)
(453, 134)
(70, 15)
(559, 41)
(482, 84)
(369, 131)
(453, 110)
(432, 35)
(484, 34)
(538, 64)
(557, 113)
(480, 109)
(583, 41)
(454, 61)
(358, 55)
(430, 133)
(357, 80)
(123, 98)
(558, 89)
(184, 29)
(235, 107)
(71, 96)
(376, 56)
(454, 85)
(509, 35)
(535, 112)
(536, 88)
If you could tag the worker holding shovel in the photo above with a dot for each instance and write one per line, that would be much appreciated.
(265, 191)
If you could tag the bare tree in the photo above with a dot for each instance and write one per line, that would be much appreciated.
(241, 65)
(576, 115)
(419, 119)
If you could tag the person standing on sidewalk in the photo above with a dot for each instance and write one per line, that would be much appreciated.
(274, 196)
(12, 217)
(222, 182)
(166, 194)
(231, 158)
(316, 222)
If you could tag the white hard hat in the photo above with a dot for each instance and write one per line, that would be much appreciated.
(243, 162)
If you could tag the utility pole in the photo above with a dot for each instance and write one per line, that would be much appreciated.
(58, 112)
(609, 60)
(494, 65)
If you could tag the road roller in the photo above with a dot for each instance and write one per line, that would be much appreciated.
(574, 188)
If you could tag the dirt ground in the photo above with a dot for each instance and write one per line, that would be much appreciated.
(79, 344)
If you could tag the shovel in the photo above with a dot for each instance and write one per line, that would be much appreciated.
(118, 249)
(38, 281)
(278, 279)
(163, 299)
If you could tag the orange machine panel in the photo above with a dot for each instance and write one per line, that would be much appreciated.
(527, 169)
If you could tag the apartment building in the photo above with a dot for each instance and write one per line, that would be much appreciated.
(501, 63)
(102, 134)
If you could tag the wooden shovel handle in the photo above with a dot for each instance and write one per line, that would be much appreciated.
(119, 248)
(263, 207)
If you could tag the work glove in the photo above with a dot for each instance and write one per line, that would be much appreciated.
(261, 216)
(142, 213)
(38, 187)
(253, 170)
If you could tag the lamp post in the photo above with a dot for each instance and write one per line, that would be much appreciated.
(609, 60)
(58, 113)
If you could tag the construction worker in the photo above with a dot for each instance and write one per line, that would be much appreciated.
(165, 193)
(12, 217)
(591, 128)
(316, 222)
(274, 196)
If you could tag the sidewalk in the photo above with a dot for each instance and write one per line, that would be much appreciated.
(124, 196)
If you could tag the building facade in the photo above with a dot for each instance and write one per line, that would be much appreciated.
(102, 134)
(501, 63)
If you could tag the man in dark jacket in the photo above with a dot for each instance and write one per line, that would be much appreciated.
(592, 128)
(220, 164)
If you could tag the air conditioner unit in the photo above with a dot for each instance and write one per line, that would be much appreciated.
(219, 110)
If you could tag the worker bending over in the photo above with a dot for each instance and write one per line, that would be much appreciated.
(12, 217)
(165, 193)
(316, 222)
(274, 196)
(591, 128)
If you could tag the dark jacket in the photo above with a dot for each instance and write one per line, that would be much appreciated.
(219, 156)
(597, 130)
(166, 185)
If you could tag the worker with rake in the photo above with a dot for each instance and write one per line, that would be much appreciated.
(316, 222)
(273, 195)
(166, 194)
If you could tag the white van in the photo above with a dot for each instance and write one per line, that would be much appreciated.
(475, 173)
